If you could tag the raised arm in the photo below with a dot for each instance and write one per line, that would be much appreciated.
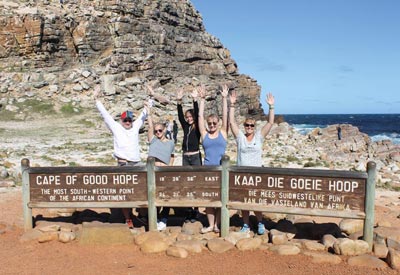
(108, 119)
(181, 116)
(202, 94)
(232, 119)
(150, 132)
(271, 115)
(224, 93)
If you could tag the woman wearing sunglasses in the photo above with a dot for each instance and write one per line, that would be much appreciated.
(249, 148)
(214, 140)
(162, 149)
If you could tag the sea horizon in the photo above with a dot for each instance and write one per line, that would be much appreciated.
(376, 126)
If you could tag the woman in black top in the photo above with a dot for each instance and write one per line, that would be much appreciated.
(191, 135)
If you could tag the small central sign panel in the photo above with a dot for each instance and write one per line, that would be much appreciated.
(188, 186)
(304, 192)
(88, 187)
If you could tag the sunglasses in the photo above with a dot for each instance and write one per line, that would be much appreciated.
(158, 131)
(248, 125)
(212, 123)
(127, 120)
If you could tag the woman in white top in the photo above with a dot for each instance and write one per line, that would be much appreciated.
(249, 147)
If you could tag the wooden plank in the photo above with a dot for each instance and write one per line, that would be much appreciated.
(292, 191)
(299, 172)
(193, 185)
(189, 203)
(88, 204)
(297, 211)
(88, 186)
(368, 229)
(27, 212)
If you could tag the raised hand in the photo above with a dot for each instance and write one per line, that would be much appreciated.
(150, 90)
(179, 95)
(225, 90)
(96, 92)
(195, 94)
(202, 91)
(270, 99)
(233, 97)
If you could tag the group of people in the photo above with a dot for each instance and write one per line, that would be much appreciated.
(209, 131)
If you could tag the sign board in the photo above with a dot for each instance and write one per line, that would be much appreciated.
(294, 191)
(88, 187)
(191, 185)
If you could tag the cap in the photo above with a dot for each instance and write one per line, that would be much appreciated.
(127, 114)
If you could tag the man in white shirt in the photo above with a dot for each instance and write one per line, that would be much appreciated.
(126, 140)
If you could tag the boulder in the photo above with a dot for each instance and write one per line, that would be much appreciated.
(219, 245)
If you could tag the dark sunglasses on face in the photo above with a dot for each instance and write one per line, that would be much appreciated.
(127, 120)
(212, 123)
(158, 131)
(248, 125)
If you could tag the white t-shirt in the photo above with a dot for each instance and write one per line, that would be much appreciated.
(249, 152)
(126, 141)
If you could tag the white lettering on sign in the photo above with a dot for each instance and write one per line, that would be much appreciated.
(273, 182)
(48, 180)
(95, 179)
(305, 184)
(247, 180)
(71, 179)
(342, 185)
(211, 178)
(125, 179)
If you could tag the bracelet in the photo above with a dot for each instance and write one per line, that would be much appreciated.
(232, 106)
(271, 107)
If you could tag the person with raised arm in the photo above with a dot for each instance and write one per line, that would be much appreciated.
(249, 147)
(162, 149)
(214, 139)
(191, 140)
(126, 142)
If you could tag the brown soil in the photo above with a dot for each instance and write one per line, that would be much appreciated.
(58, 258)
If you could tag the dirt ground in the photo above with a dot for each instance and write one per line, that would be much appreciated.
(57, 258)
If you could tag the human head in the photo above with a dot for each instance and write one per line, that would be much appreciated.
(189, 116)
(159, 130)
(212, 122)
(126, 119)
(249, 125)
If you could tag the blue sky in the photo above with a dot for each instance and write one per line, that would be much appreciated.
(316, 57)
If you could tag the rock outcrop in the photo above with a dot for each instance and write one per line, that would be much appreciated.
(60, 52)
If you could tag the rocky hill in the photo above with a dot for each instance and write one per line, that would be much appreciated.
(58, 52)
(53, 55)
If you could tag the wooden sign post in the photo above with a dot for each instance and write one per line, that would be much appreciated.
(315, 192)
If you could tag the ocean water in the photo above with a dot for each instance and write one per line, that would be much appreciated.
(377, 126)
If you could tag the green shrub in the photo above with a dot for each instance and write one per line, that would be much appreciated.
(69, 109)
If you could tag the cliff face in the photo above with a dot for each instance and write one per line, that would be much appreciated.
(61, 51)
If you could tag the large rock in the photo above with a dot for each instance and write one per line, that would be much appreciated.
(393, 258)
(219, 245)
(319, 258)
(366, 261)
(154, 245)
(249, 244)
(285, 249)
(350, 226)
(193, 246)
(350, 247)
(177, 252)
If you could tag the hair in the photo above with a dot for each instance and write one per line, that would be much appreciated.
(213, 116)
(159, 124)
(248, 119)
(191, 111)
